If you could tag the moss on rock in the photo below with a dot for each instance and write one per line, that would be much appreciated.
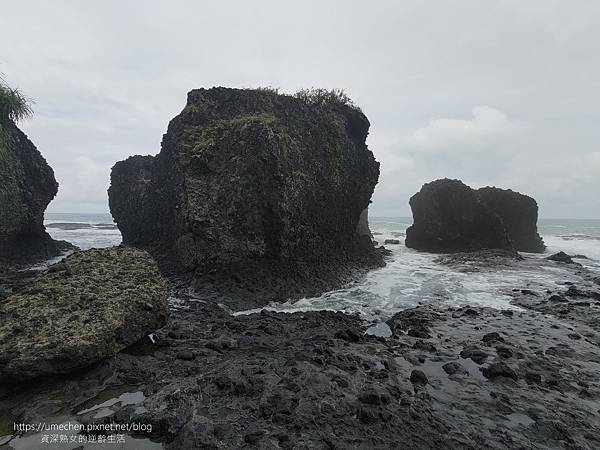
(254, 183)
(27, 185)
(86, 308)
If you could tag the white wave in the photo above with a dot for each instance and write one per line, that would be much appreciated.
(95, 236)
(587, 247)
(411, 278)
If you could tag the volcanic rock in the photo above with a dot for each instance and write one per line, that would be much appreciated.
(561, 257)
(519, 213)
(499, 369)
(362, 229)
(453, 368)
(27, 185)
(448, 216)
(254, 186)
(418, 377)
(92, 305)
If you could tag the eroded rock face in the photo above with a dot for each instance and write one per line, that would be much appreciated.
(130, 196)
(363, 224)
(519, 213)
(448, 216)
(27, 185)
(256, 185)
(86, 308)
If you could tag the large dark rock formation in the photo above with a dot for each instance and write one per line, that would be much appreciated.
(27, 185)
(448, 216)
(265, 188)
(519, 213)
(86, 308)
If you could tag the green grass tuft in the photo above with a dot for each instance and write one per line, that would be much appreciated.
(268, 89)
(324, 97)
(14, 106)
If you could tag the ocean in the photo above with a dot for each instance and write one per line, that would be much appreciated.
(409, 278)
(83, 230)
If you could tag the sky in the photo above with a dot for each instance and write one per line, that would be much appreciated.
(503, 93)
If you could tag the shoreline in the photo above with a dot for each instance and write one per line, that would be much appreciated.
(214, 379)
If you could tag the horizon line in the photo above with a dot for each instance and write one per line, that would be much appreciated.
(370, 216)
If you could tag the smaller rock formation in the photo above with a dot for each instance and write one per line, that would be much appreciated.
(519, 213)
(448, 216)
(86, 308)
(561, 257)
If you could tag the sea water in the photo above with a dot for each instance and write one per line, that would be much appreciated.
(83, 230)
(410, 277)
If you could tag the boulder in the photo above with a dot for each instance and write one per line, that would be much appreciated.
(519, 213)
(88, 307)
(561, 257)
(448, 216)
(27, 185)
(499, 369)
(256, 187)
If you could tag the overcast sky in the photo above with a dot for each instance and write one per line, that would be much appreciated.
(503, 93)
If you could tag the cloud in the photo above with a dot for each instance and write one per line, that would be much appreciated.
(488, 126)
(477, 150)
(107, 78)
(83, 187)
(490, 149)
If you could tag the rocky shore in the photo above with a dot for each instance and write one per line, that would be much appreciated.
(468, 377)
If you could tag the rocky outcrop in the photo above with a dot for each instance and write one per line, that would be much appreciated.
(130, 198)
(561, 257)
(84, 309)
(250, 185)
(448, 216)
(27, 185)
(519, 213)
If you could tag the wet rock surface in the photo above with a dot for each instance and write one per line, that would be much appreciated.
(448, 377)
(481, 260)
(448, 216)
(561, 257)
(84, 309)
(261, 188)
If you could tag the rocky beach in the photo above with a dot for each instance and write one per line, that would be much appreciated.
(250, 305)
(438, 377)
